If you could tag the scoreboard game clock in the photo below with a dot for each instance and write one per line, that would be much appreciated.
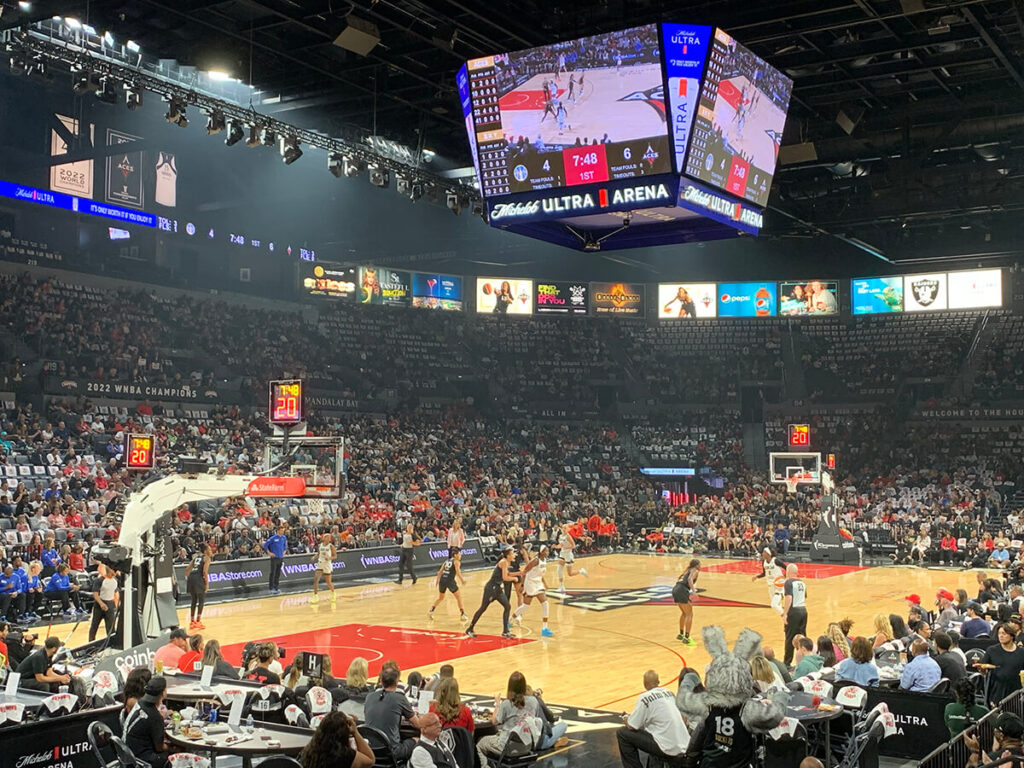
(286, 402)
(140, 452)
(799, 436)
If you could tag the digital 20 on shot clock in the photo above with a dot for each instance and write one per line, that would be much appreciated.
(799, 435)
(286, 402)
(140, 452)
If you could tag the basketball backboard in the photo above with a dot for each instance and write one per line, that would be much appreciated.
(318, 460)
(804, 467)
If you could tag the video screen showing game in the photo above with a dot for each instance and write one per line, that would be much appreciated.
(739, 122)
(578, 112)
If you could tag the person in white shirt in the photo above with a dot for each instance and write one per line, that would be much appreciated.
(430, 751)
(655, 726)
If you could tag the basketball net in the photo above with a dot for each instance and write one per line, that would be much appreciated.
(315, 506)
(792, 483)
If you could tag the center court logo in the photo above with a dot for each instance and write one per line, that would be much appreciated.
(608, 600)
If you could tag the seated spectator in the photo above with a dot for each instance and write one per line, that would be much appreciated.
(655, 726)
(134, 689)
(167, 656)
(974, 625)
(860, 666)
(824, 649)
(807, 660)
(60, 586)
(144, 731)
(510, 714)
(193, 655)
(951, 664)
(840, 645)
(883, 630)
(448, 706)
(443, 672)
(337, 743)
(261, 666)
(36, 669)
(962, 713)
(1008, 730)
(357, 684)
(1000, 557)
(922, 671)
(1008, 660)
(212, 658)
(769, 654)
(429, 752)
(947, 613)
(766, 676)
(900, 631)
(954, 638)
(294, 677)
(385, 709)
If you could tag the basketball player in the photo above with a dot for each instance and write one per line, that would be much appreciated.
(325, 554)
(561, 116)
(197, 581)
(523, 556)
(566, 557)
(534, 586)
(447, 574)
(549, 102)
(682, 594)
(494, 591)
(561, 65)
(571, 98)
(774, 570)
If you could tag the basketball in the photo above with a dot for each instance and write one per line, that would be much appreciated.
(486, 289)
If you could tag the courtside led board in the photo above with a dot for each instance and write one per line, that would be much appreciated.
(140, 452)
(286, 405)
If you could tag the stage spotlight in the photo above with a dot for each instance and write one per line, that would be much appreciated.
(353, 167)
(85, 81)
(133, 99)
(268, 137)
(453, 202)
(336, 164)
(403, 184)
(416, 191)
(176, 113)
(215, 122)
(110, 91)
(18, 63)
(477, 209)
(430, 189)
(290, 151)
(379, 177)
(254, 136)
(235, 133)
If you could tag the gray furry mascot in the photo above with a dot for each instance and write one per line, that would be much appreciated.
(729, 688)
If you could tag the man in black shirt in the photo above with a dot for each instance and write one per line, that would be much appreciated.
(36, 671)
(951, 665)
(384, 710)
(144, 727)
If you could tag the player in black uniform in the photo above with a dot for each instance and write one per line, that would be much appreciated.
(723, 741)
(550, 90)
(447, 575)
(681, 594)
(197, 581)
(523, 556)
(494, 590)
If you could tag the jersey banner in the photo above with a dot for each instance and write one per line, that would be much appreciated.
(124, 171)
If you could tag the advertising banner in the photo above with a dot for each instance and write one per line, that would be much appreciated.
(241, 578)
(980, 288)
(809, 297)
(504, 296)
(329, 281)
(924, 293)
(717, 207)
(61, 742)
(618, 299)
(70, 178)
(746, 299)
(561, 298)
(684, 47)
(687, 300)
(379, 285)
(124, 171)
(874, 295)
(437, 291)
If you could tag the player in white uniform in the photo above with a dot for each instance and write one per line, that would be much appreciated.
(324, 557)
(566, 557)
(774, 571)
(534, 586)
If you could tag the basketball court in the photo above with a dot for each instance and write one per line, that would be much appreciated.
(759, 131)
(633, 94)
(609, 628)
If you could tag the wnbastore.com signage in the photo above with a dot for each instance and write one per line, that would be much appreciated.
(244, 577)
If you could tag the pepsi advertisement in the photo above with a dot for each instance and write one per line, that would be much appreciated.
(561, 298)
(747, 299)
(685, 48)
(876, 295)
(437, 291)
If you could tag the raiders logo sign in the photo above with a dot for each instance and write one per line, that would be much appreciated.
(925, 291)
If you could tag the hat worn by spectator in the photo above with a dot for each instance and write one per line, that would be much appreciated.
(1010, 725)
(915, 599)
(943, 593)
(155, 689)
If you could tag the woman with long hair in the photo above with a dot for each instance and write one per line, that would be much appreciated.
(826, 651)
(293, 676)
(682, 594)
(509, 714)
(839, 643)
(766, 677)
(134, 688)
(448, 706)
(331, 745)
(212, 657)
(899, 626)
(193, 655)
(962, 713)
(358, 674)
(883, 630)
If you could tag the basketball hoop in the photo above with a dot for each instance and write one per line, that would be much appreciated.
(315, 506)
(792, 483)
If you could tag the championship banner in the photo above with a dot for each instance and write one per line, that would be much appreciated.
(626, 299)
(378, 285)
(127, 391)
(70, 178)
(124, 171)
(241, 578)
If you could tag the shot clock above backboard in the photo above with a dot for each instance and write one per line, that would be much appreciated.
(286, 402)
(140, 452)
(799, 436)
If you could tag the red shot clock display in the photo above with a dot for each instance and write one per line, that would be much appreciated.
(799, 435)
(286, 405)
(140, 452)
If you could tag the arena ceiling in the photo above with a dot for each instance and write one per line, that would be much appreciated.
(907, 119)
